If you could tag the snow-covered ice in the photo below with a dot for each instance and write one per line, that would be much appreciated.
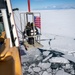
(59, 60)
(58, 25)
(46, 53)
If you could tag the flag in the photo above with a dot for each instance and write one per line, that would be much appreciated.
(37, 21)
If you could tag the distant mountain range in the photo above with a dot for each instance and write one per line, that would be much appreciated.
(57, 7)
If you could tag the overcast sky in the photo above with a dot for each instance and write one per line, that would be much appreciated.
(43, 4)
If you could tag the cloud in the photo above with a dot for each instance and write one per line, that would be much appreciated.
(54, 6)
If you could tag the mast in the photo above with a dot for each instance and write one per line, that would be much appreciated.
(28, 5)
(13, 26)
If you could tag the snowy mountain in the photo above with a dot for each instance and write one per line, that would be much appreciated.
(57, 7)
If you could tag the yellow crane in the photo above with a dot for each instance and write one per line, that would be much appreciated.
(10, 63)
(10, 58)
